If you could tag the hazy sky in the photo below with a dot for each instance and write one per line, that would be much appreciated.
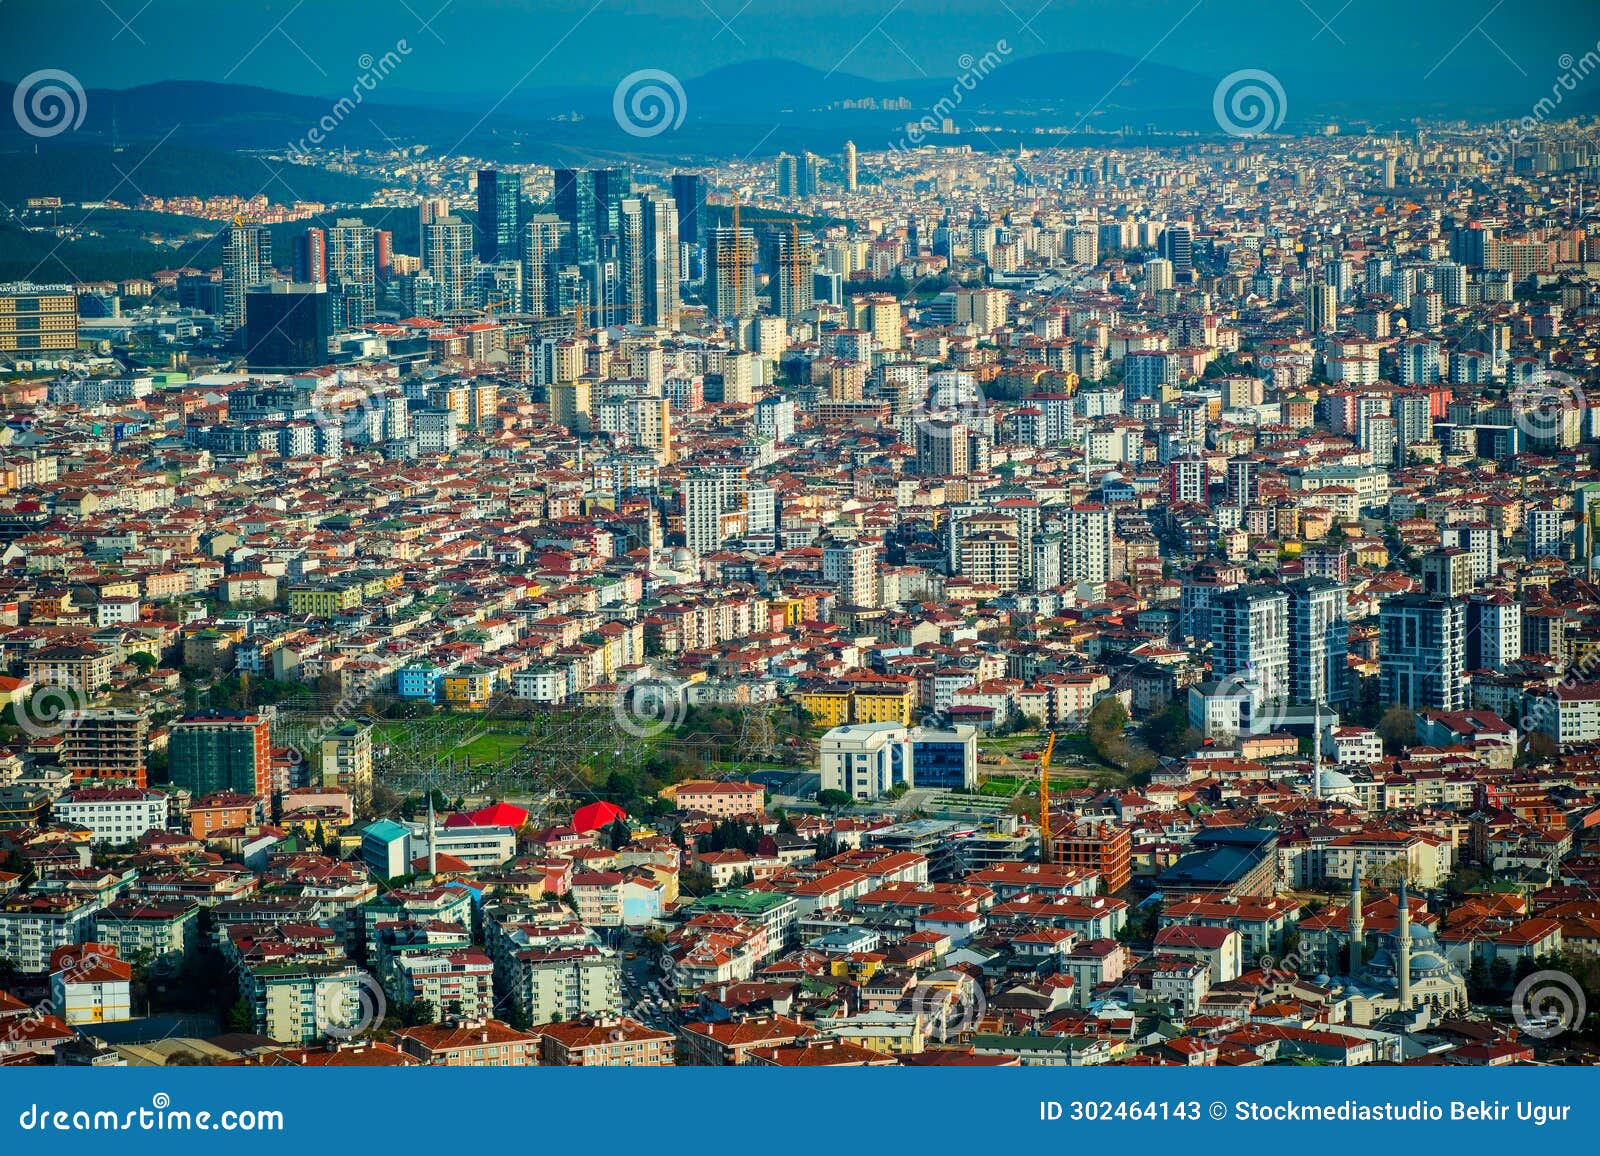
(1441, 48)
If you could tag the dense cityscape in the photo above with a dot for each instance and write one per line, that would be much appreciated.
(1104, 599)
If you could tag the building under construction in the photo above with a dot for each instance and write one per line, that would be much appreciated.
(730, 263)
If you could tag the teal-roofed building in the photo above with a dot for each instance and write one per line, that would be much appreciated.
(383, 847)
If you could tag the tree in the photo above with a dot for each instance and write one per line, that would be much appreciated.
(1169, 732)
(831, 798)
(618, 834)
(1398, 728)
(1107, 719)
(421, 1011)
(241, 1019)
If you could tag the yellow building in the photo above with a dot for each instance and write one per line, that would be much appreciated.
(794, 610)
(323, 602)
(468, 688)
(884, 705)
(829, 707)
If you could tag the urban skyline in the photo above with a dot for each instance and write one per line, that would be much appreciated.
(1002, 575)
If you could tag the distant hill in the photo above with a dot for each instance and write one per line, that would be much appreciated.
(756, 107)
(95, 172)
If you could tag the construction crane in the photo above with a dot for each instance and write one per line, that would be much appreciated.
(1045, 847)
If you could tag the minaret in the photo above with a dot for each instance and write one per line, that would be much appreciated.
(1316, 752)
(433, 843)
(1357, 926)
(1403, 949)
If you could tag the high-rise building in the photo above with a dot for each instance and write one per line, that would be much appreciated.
(852, 567)
(730, 267)
(1413, 422)
(290, 324)
(37, 319)
(1494, 631)
(1422, 652)
(447, 255)
(792, 273)
(246, 263)
(347, 762)
(1157, 274)
(1250, 640)
(352, 272)
(1088, 543)
(1189, 480)
(884, 320)
(849, 166)
(574, 203)
(708, 495)
(1176, 244)
(106, 744)
(650, 259)
(786, 174)
(1322, 308)
(222, 752)
(808, 175)
(944, 449)
(689, 194)
(541, 250)
(311, 256)
(589, 203)
(499, 231)
(1319, 641)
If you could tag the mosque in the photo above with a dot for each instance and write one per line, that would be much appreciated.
(1386, 961)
